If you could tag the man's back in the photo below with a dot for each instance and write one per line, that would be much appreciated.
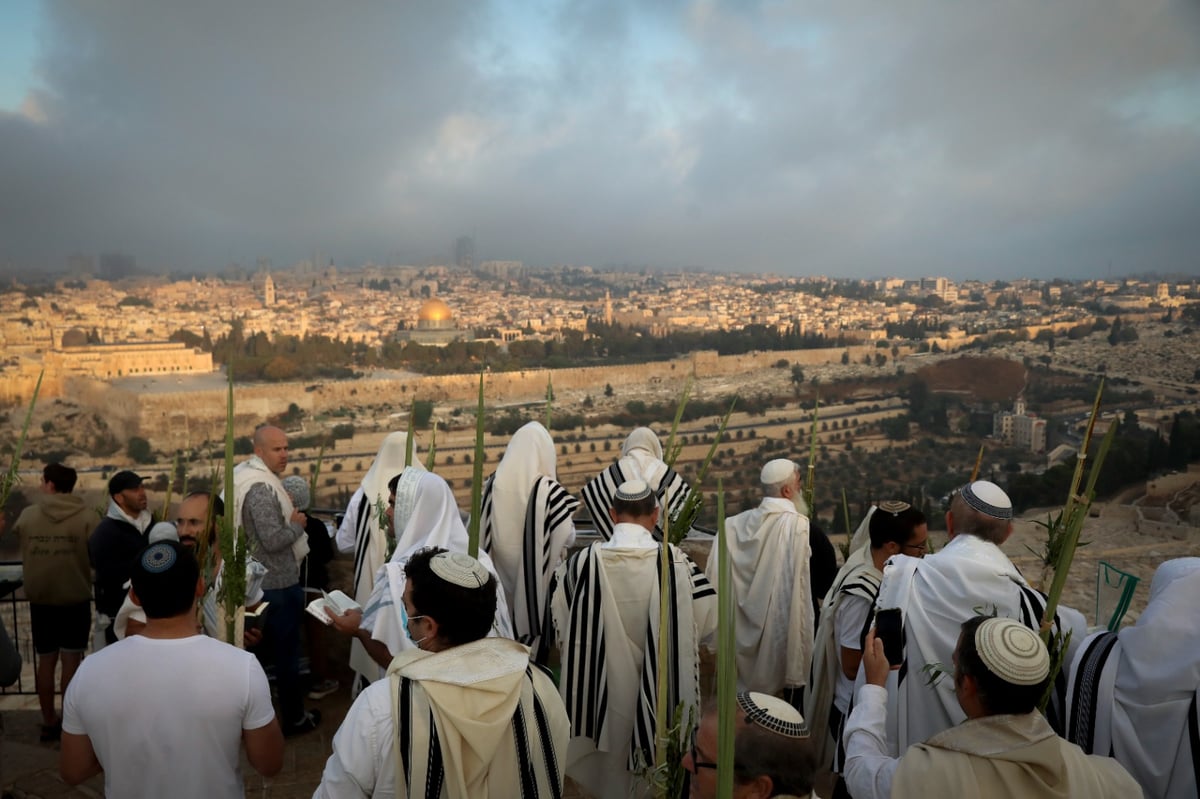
(165, 716)
(54, 549)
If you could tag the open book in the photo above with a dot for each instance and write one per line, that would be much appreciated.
(337, 603)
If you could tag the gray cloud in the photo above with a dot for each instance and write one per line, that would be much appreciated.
(852, 138)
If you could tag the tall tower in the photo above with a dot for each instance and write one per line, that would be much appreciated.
(268, 291)
(607, 308)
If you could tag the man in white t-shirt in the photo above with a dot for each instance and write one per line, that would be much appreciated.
(165, 713)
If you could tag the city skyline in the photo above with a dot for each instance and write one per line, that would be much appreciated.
(852, 141)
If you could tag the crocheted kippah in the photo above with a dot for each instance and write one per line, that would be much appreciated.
(632, 491)
(777, 471)
(772, 713)
(157, 558)
(460, 569)
(893, 506)
(297, 488)
(988, 498)
(1012, 651)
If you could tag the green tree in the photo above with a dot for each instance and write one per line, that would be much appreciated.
(139, 450)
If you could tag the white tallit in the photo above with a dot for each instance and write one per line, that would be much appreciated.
(641, 459)
(250, 473)
(525, 525)
(370, 539)
(1133, 695)
(936, 594)
(425, 516)
(769, 553)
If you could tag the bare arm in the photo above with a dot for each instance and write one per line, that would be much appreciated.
(264, 748)
(850, 660)
(77, 760)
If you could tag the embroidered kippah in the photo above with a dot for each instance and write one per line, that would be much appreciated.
(158, 558)
(893, 506)
(1012, 651)
(162, 531)
(460, 569)
(772, 713)
(988, 498)
(777, 471)
(297, 488)
(632, 491)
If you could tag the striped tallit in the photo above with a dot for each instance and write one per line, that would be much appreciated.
(546, 531)
(671, 491)
(433, 761)
(609, 688)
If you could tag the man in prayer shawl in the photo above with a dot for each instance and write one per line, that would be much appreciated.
(641, 459)
(1004, 749)
(848, 613)
(525, 525)
(605, 607)
(461, 714)
(425, 515)
(768, 558)
(771, 752)
(362, 531)
(1134, 694)
(938, 593)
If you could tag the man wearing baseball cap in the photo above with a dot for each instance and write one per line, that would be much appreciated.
(115, 542)
(1005, 747)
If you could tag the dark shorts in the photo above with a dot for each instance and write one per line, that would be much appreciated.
(60, 627)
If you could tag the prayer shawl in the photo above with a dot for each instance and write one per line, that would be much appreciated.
(250, 473)
(426, 516)
(968, 577)
(605, 607)
(476, 720)
(370, 539)
(768, 555)
(858, 577)
(525, 525)
(1134, 694)
(999, 757)
(641, 459)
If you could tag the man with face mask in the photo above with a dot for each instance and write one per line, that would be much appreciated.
(769, 556)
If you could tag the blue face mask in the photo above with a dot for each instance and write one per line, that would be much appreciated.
(405, 619)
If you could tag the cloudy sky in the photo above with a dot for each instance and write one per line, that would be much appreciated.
(971, 139)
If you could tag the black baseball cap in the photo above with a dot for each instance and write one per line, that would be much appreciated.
(123, 481)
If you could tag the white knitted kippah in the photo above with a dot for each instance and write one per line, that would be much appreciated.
(162, 531)
(988, 498)
(633, 490)
(772, 713)
(1012, 651)
(460, 569)
(777, 471)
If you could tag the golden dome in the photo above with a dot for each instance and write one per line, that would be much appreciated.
(434, 310)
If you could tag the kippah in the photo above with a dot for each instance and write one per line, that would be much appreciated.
(1012, 651)
(777, 471)
(632, 491)
(460, 569)
(893, 506)
(772, 713)
(158, 558)
(988, 498)
(297, 488)
(162, 531)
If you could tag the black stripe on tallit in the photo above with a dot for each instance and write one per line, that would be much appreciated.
(1081, 726)
(524, 763)
(597, 496)
(1194, 736)
(701, 587)
(362, 537)
(546, 739)
(436, 774)
(529, 561)
(405, 731)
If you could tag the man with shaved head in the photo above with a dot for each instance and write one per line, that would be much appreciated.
(276, 533)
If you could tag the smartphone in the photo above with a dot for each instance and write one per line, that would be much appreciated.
(889, 628)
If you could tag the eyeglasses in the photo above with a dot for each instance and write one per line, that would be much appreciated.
(921, 548)
(697, 763)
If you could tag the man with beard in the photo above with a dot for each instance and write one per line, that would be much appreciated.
(769, 555)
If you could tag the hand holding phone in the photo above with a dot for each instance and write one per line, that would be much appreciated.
(889, 628)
